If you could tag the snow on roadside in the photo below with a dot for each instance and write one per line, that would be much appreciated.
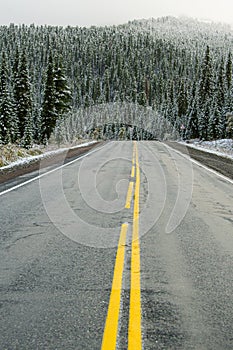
(31, 159)
(223, 147)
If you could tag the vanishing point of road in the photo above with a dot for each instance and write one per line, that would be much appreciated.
(129, 246)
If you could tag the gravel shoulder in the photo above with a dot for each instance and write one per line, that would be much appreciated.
(218, 163)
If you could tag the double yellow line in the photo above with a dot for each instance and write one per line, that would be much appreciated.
(111, 326)
(134, 332)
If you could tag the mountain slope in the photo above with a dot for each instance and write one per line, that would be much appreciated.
(178, 67)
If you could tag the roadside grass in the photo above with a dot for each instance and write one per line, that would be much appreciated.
(11, 153)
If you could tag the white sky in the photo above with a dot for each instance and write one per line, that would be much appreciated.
(105, 12)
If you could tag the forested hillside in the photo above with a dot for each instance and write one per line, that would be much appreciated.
(163, 76)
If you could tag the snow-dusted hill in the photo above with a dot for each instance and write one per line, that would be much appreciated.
(186, 31)
(178, 68)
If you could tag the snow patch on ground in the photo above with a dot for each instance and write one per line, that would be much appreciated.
(223, 147)
(32, 159)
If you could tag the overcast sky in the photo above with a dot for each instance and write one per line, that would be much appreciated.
(105, 12)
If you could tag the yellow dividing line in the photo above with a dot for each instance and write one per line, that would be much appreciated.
(109, 341)
(134, 330)
(133, 158)
(133, 172)
(129, 195)
(130, 188)
(111, 325)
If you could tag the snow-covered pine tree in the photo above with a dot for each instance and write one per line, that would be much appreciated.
(62, 90)
(8, 128)
(229, 87)
(23, 98)
(206, 81)
(222, 126)
(27, 139)
(203, 124)
(192, 113)
(205, 94)
(219, 105)
(229, 125)
(220, 87)
(182, 101)
(229, 71)
(49, 114)
(213, 124)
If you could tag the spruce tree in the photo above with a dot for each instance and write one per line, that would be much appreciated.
(229, 71)
(62, 90)
(23, 98)
(229, 125)
(182, 100)
(221, 129)
(206, 82)
(202, 125)
(229, 92)
(205, 95)
(214, 120)
(48, 112)
(8, 130)
(220, 88)
(27, 140)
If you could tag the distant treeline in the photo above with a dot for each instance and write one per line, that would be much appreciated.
(48, 73)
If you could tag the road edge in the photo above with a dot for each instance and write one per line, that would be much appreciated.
(46, 161)
(198, 163)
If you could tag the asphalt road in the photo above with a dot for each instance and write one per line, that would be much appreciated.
(67, 282)
(221, 164)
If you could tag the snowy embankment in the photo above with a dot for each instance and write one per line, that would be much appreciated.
(223, 147)
(22, 157)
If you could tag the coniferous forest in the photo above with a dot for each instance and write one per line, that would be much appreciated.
(146, 79)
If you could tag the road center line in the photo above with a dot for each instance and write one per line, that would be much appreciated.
(129, 195)
(133, 162)
(130, 188)
(111, 325)
(109, 341)
(133, 172)
(134, 330)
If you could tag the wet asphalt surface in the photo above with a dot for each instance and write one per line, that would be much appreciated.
(58, 246)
